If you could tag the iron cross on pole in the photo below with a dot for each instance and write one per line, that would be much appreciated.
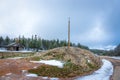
(68, 32)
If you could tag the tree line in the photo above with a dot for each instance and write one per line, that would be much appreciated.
(115, 52)
(37, 43)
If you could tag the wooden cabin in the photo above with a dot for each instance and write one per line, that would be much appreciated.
(15, 46)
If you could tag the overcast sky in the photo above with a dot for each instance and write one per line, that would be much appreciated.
(94, 23)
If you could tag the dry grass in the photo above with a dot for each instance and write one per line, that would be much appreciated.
(76, 55)
(69, 70)
(15, 54)
(78, 62)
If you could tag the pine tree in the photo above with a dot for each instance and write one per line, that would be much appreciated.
(1, 41)
(7, 40)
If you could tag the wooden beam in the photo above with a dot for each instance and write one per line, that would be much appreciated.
(68, 32)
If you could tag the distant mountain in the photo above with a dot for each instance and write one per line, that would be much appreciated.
(109, 51)
(109, 47)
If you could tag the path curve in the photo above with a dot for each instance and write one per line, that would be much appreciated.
(116, 64)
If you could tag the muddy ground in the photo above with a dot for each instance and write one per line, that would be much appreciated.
(16, 69)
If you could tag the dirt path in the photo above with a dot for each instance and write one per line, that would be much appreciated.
(116, 64)
(14, 69)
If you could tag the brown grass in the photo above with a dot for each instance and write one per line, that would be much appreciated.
(78, 62)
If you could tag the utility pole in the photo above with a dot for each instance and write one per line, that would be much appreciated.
(68, 32)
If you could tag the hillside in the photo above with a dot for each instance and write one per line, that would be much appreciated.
(76, 62)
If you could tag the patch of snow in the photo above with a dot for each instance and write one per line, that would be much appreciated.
(44, 77)
(50, 78)
(3, 50)
(24, 51)
(19, 51)
(114, 57)
(32, 75)
(88, 61)
(35, 67)
(50, 62)
(103, 73)
(15, 58)
(54, 78)
(8, 73)
(24, 71)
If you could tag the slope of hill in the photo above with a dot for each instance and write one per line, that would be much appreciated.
(76, 62)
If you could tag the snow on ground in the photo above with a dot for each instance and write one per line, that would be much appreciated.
(24, 51)
(19, 51)
(14, 51)
(115, 57)
(15, 58)
(46, 78)
(8, 73)
(4, 50)
(103, 73)
(32, 75)
(50, 62)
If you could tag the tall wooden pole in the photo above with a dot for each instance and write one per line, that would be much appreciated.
(68, 32)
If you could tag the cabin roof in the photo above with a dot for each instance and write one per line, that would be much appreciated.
(15, 45)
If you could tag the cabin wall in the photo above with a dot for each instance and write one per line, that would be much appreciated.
(14, 48)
